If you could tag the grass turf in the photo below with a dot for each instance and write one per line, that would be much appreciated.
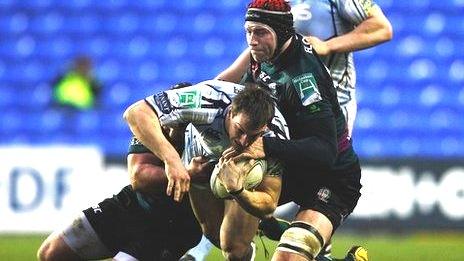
(422, 246)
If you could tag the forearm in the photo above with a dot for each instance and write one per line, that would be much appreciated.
(373, 31)
(258, 204)
(144, 124)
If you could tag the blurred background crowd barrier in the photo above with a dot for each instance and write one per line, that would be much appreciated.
(409, 130)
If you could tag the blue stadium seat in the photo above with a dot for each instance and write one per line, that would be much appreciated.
(410, 90)
(87, 122)
(112, 122)
(116, 95)
(48, 23)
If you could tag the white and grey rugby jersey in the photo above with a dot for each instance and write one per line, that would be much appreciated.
(204, 107)
(326, 19)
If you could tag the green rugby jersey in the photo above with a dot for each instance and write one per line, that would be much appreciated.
(307, 98)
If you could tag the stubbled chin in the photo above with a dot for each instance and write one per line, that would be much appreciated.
(259, 58)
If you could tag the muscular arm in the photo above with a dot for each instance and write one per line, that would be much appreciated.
(144, 124)
(146, 173)
(375, 30)
(261, 202)
(237, 69)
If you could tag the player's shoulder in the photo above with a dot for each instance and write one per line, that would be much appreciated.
(220, 85)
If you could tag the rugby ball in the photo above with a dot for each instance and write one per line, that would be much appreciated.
(254, 176)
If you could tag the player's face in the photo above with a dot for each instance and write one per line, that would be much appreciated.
(262, 41)
(240, 133)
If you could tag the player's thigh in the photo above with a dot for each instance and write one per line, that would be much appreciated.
(238, 226)
(206, 207)
(76, 241)
(208, 210)
(287, 211)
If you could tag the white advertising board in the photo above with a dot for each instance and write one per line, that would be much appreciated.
(44, 187)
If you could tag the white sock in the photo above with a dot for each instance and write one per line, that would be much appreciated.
(201, 250)
(253, 254)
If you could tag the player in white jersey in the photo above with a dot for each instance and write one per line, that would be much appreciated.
(205, 107)
(141, 222)
(336, 28)
(215, 124)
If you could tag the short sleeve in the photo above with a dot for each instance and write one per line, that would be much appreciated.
(355, 11)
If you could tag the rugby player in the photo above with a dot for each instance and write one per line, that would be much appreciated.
(139, 223)
(323, 171)
(218, 118)
(142, 222)
(335, 29)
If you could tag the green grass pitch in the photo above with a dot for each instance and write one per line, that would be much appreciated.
(421, 247)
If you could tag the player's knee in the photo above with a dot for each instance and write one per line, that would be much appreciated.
(47, 251)
(235, 250)
(42, 252)
(302, 239)
(54, 248)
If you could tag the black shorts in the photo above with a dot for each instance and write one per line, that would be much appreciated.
(332, 193)
(163, 233)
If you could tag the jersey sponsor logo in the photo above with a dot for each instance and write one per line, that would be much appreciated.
(190, 99)
(162, 102)
(307, 46)
(324, 194)
(97, 209)
(301, 11)
(307, 88)
(266, 80)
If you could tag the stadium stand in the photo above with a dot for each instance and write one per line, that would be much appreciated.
(410, 90)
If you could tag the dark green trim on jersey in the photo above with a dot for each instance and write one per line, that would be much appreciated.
(135, 146)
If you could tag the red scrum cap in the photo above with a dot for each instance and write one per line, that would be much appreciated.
(274, 13)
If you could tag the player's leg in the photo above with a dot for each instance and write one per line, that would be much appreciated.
(55, 248)
(349, 111)
(76, 242)
(208, 210)
(275, 226)
(305, 237)
(186, 230)
(237, 232)
(287, 211)
(199, 252)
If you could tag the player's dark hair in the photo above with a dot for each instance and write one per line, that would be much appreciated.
(255, 102)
